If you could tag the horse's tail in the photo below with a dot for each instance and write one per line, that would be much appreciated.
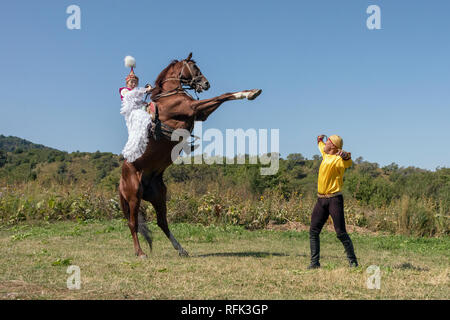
(143, 229)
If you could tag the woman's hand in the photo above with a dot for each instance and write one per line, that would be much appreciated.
(148, 88)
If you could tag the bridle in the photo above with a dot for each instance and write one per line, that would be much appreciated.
(160, 129)
(184, 84)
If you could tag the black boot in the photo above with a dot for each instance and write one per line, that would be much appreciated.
(314, 242)
(348, 246)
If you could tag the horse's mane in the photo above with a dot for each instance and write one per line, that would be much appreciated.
(159, 80)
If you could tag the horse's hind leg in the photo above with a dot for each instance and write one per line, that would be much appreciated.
(124, 206)
(130, 192)
(157, 197)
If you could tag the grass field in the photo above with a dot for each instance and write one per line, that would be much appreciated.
(224, 263)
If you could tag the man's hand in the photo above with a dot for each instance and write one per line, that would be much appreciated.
(344, 154)
(320, 138)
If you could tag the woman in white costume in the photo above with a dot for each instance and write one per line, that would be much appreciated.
(138, 120)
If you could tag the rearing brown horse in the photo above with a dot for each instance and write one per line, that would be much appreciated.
(143, 178)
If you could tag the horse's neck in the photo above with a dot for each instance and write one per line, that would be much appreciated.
(171, 81)
(170, 85)
(176, 111)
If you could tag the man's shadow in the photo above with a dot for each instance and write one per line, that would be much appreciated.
(254, 254)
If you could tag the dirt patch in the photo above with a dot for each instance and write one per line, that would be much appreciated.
(289, 226)
(298, 226)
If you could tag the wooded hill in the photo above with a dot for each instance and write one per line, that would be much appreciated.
(365, 183)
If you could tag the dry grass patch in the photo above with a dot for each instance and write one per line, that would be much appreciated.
(225, 263)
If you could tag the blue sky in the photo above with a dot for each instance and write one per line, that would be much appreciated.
(386, 92)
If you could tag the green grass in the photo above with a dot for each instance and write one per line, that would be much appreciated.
(226, 262)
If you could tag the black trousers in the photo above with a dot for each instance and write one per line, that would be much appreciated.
(323, 208)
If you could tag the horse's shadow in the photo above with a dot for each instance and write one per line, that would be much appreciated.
(254, 254)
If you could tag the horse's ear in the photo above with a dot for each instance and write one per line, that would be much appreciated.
(189, 57)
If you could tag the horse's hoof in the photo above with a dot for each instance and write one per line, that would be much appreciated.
(255, 93)
(183, 253)
(142, 256)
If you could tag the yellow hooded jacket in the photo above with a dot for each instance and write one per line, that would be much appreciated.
(331, 172)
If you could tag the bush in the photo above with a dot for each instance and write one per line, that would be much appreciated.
(398, 200)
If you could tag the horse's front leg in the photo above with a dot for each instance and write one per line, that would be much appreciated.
(203, 108)
(247, 94)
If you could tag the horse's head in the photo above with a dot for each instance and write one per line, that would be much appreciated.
(191, 76)
(178, 74)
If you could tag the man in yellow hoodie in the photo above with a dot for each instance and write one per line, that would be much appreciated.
(330, 200)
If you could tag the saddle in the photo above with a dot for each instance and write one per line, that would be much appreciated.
(160, 130)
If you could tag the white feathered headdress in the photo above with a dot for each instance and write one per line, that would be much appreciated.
(130, 62)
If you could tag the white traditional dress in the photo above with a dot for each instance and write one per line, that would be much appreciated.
(138, 122)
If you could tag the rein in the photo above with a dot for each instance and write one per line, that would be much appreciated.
(160, 130)
(192, 84)
(184, 81)
(170, 93)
